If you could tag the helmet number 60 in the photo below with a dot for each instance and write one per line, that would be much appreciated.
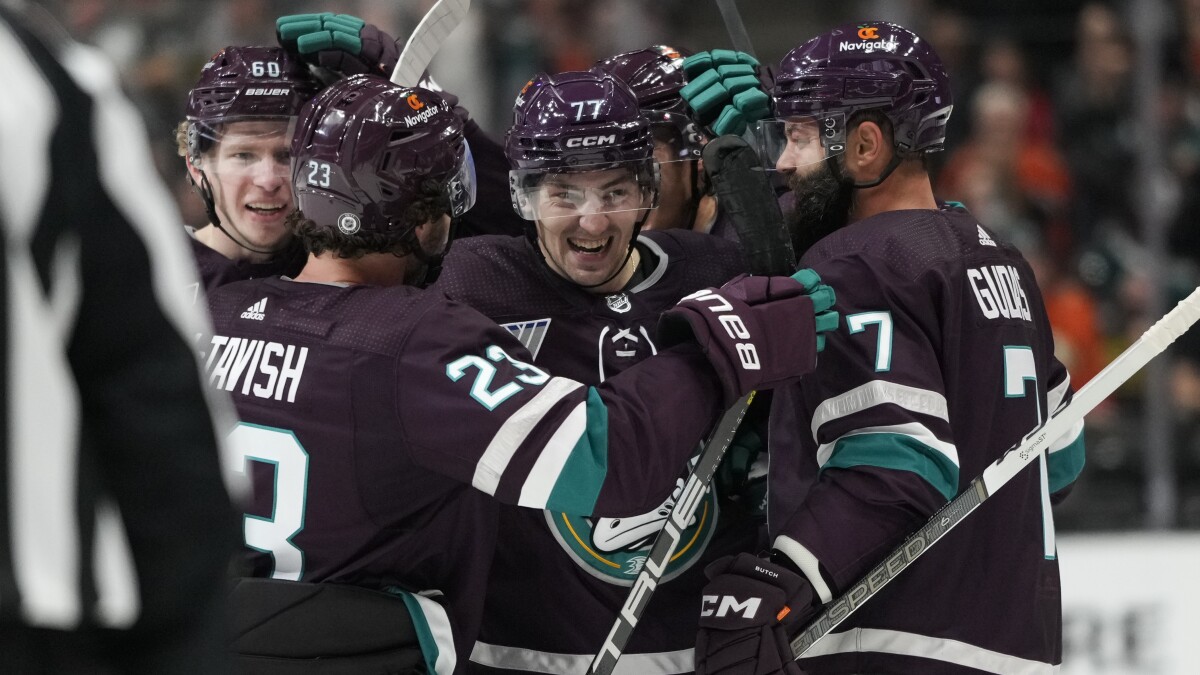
(260, 68)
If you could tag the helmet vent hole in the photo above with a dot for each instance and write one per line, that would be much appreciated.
(398, 135)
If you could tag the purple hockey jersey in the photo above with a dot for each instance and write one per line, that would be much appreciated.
(944, 359)
(217, 270)
(369, 413)
(559, 579)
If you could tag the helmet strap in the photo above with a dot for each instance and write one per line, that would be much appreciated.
(887, 171)
(204, 189)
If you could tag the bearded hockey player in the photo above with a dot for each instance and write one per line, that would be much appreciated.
(381, 422)
(237, 150)
(945, 361)
(584, 292)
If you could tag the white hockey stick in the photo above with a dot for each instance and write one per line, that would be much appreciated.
(438, 24)
(1151, 344)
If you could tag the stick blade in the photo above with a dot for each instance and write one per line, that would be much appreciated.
(425, 40)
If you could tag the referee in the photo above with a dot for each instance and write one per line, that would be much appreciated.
(115, 526)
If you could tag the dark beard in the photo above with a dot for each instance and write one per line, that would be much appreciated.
(822, 207)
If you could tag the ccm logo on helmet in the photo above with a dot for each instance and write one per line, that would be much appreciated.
(733, 325)
(591, 141)
(724, 604)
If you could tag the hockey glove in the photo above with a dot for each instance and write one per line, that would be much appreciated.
(342, 43)
(755, 331)
(748, 608)
(823, 298)
(726, 90)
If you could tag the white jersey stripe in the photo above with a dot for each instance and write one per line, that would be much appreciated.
(438, 621)
(917, 431)
(878, 392)
(44, 416)
(532, 661)
(1067, 438)
(1055, 396)
(515, 430)
(939, 649)
(535, 492)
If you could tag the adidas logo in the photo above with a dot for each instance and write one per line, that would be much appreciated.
(984, 238)
(256, 310)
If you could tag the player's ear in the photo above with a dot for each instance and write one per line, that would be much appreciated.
(193, 172)
(866, 147)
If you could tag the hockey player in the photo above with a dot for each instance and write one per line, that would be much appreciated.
(380, 420)
(656, 76)
(945, 361)
(584, 293)
(235, 144)
(343, 45)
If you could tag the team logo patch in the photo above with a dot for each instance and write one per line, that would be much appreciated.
(619, 303)
(349, 223)
(530, 333)
(615, 549)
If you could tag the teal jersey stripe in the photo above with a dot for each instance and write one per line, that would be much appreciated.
(429, 647)
(1065, 465)
(578, 485)
(900, 452)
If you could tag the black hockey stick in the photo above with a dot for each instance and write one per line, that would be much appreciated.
(741, 185)
(1001, 471)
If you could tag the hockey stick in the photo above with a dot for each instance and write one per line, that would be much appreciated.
(426, 38)
(733, 24)
(1151, 344)
(732, 165)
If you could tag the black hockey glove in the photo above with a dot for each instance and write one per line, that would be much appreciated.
(748, 609)
(726, 90)
(342, 43)
(757, 332)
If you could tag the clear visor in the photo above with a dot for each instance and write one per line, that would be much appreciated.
(249, 148)
(799, 141)
(461, 187)
(542, 195)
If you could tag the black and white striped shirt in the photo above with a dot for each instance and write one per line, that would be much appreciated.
(113, 513)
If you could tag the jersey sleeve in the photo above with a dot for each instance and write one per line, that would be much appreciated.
(472, 407)
(879, 432)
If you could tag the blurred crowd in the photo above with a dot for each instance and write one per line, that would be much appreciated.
(1045, 147)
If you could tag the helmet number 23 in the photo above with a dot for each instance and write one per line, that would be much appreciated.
(318, 173)
(482, 389)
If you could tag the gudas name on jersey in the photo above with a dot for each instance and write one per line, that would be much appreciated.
(999, 293)
(264, 369)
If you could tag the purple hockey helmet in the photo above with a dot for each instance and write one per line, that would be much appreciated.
(872, 65)
(245, 84)
(579, 122)
(364, 149)
(655, 74)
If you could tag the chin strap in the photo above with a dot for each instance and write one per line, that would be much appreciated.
(887, 171)
(204, 189)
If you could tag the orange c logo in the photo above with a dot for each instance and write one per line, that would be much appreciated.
(868, 33)
(414, 102)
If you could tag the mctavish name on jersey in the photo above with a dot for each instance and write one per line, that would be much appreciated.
(265, 369)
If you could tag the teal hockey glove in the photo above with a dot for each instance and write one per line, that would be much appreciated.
(342, 43)
(823, 299)
(726, 90)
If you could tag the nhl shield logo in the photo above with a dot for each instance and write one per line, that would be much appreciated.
(619, 303)
(349, 223)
